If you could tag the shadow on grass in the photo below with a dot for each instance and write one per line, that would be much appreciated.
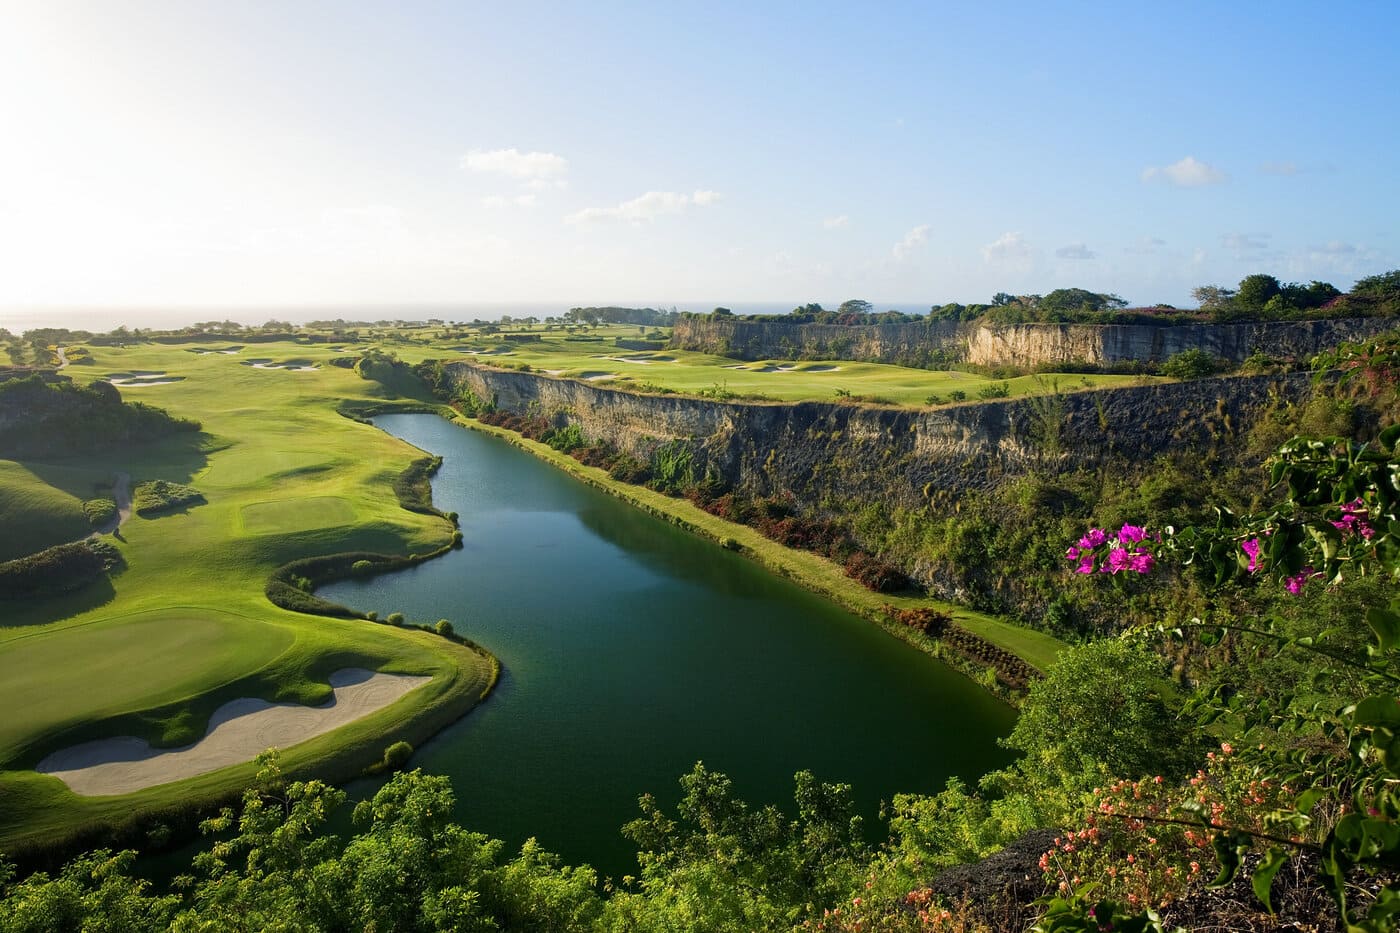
(23, 613)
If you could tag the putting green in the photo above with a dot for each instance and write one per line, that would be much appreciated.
(50, 680)
(288, 516)
(268, 464)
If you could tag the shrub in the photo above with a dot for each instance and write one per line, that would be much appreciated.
(397, 755)
(59, 569)
(729, 544)
(372, 616)
(874, 574)
(957, 395)
(1190, 364)
(456, 539)
(99, 511)
(158, 496)
(395, 618)
(995, 390)
(362, 567)
(444, 628)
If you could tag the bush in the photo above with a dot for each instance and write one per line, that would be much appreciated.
(59, 569)
(397, 755)
(444, 628)
(995, 390)
(1190, 364)
(99, 511)
(395, 618)
(158, 496)
(362, 567)
(874, 574)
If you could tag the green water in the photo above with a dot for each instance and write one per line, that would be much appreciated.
(632, 649)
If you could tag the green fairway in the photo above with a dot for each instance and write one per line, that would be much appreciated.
(683, 371)
(184, 625)
(35, 514)
(291, 515)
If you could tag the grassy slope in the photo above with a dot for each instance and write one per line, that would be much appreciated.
(811, 570)
(691, 373)
(185, 627)
(35, 514)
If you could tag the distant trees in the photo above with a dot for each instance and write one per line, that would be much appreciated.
(1262, 297)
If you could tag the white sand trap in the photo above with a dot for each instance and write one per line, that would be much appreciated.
(552, 372)
(238, 731)
(594, 377)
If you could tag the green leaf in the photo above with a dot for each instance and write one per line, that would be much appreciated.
(1263, 879)
(1386, 625)
(1228, 849)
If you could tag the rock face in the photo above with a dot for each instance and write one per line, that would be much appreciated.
(1028, 345)
(821, 452)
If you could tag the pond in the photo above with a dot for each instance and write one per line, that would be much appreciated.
(632, 649)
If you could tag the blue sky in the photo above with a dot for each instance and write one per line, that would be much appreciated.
(261, 153)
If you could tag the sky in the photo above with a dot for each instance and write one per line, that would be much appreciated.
(275, 154)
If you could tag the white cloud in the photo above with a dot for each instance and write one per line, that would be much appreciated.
(646, 208)
(912, 241)
(1075, 251)
(1188, 173)
(1146, 246)
(1009, 246)
(1334, 248)
(839, 222)
(1245, 242)
(537, 169)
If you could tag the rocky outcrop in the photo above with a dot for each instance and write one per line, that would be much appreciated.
(822, 452)
(1025, 345)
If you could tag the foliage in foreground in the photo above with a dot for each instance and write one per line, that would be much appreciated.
(716, 865)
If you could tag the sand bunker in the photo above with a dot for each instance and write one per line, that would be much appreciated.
(592, 375)
(821, 369)
(238, 731)
(141, 377)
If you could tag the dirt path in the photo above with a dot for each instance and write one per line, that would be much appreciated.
(239, 731)
(121, 494)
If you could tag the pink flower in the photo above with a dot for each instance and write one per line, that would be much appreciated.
(1118, 559)
(1251, 547)
(1140, 563)
(1295, 583)
(1094, 538)
(1131, 534)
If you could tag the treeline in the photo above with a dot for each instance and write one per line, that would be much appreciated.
(1258, 297)
(646, 317)
(40, 417)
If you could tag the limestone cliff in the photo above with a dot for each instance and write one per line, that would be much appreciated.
(1027, 345)
(821, 452)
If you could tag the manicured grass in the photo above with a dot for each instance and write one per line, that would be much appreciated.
(35, 515)
(291, 515)
(780, 380)
(184, 626)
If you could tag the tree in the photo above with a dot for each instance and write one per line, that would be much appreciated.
(1213, 297)
(721, 312)
(1002, 298)
(1255, 291)
(855, 306)
(1103, 704)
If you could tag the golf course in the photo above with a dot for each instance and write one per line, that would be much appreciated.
(181, 625)
(126, 692)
